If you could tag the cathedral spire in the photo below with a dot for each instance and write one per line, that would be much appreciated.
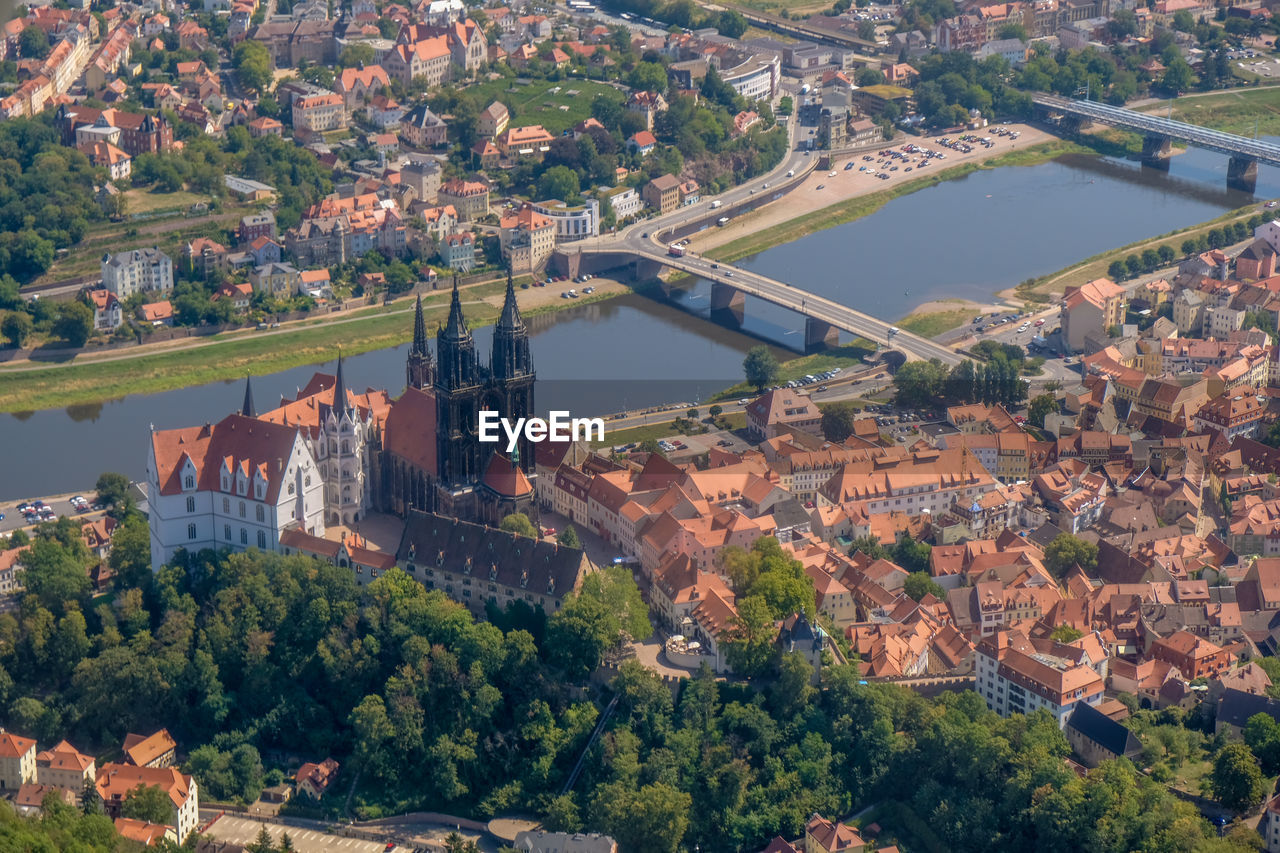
(419, 330)
(510, 319)
(247, 408)
(456, 328)
(340, 391)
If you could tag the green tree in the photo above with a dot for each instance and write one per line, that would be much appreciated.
(1178, 77)
(1262, 735)
(519, 524)
(55, 573)
(1067, 551)
(74, 324)
(130, 556)
(837, 420)
(1065, 634)
(919, 584)
(112, 489)
(1236, 780)
(648, 77)
(569, 537)
(558, 182)
(33, 43)
(760, 367)
(607, 612)
(1041, 405)
(147, 802)
(17, 327)
(253, 65)
(919, 383)
(749, 648)
(354, 55)
(731, 24)
(1117, 271)
(262, 843)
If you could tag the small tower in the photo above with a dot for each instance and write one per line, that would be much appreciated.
(420, 371)
(247, 408)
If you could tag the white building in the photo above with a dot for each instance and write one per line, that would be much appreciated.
(756, 79)
(127, 273)
(624, 200)
(1015, 675)
(235, 484)
(114, 782)
(572, 223)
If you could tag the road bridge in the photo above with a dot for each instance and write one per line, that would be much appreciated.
(1159, 134)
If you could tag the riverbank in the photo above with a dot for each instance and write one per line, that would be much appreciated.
(31, 386)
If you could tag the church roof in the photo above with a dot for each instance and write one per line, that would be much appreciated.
(411, 429)
(505, 477)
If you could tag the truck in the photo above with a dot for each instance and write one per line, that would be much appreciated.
(716, 204)
(804, 90)
(723, 220)
(675, 250)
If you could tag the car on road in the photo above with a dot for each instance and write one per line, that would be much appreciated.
(820, 186)
(764, 187)
(728, 275)
(822, 387)
(589, 290)
(564, 294)
(848, 166)
(1024, 327)
(743, 401)
(645, 236)
(831, 174)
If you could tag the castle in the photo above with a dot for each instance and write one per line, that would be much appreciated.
(330, 456)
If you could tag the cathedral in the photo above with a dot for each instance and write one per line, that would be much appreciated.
(432, 458)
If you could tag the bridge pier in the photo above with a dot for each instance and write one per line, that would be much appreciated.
(1155, 151)
(728, 304)
(1242, 174)
(819, 335)
(1071, 125)
(644, 269)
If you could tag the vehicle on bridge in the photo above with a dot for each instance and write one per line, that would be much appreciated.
(675, 250)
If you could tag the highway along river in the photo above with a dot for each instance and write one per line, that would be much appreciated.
(965, 238)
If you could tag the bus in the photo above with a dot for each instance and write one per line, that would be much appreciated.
(675, 250)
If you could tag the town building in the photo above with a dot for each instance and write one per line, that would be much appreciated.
(1018, 675)
(136, 271)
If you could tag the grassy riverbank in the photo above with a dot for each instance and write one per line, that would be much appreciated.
(1239, 111)
(229, 355)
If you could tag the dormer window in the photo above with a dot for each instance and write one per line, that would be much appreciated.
(493, 571)
(524, 579)
(189, 482)
(440, 558)
(466, 566)
(413, 550)
(551, 586)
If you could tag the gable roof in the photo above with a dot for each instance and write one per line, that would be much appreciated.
(1102, 730)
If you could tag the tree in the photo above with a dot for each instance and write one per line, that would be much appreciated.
(1178, 77)
(837, 420)
(1166, 254)
(354, 55)
(760, 367)
(1117, 271)
(33, 43)
(749, 648)
(1262, 734)
(130, 556)
(1236, 780)
(253, 65)
(112, 489)
(74, 324)
(1065, 634)
(715, 411)
(558, 182)
(652, 819)
(919, 383)
(17, 327)
(1067, 551)
(607, 612)
(262, 843)
(648, 77)
(519, 524)
(148, 802)
(569, 537)
(731, 24)
(1041, 406)
(919, 584)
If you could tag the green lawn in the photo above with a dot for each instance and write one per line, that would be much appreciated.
(1233, 112)
(534, 101)
(144, 201)
(847, 357)
(932, 324)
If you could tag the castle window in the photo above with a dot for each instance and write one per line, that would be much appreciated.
(244, 536)
(191, 531)
(226, 484)
(306, 480)
(413, 549)
(346, 447)
(226, 532)
(466, 566)
(242, 509)
(189, 482)
(524, 579)
(291, 488)
(261, 512)
(226, 506)
(262, 539)
(440, 558)
(493, 571)
(191, 504)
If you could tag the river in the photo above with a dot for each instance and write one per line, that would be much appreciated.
(965, 238)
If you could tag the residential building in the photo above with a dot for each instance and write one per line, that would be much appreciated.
(156, 750)
(313, 780)
(358, 85)
(1019, 675)
(572, 222)
(279, 281)
(492, 120)
(422, 128)
(137, 270)
(662, 193)
(255, 225)
(1096, 738)
(530, 141)
(779, 411)
(319, 113)
(1091, 308)
(1232, 415)
(541, 841)
(114, 783)
(528, 237)
(624, 200)
(458, 251)
(1188, 311)
(429, 59)
(17, 761)
(1195, 657)
(108, 314)
(825, 836)
(469, 198)
(648, 105)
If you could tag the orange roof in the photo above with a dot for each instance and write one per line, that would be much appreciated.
(506, 478)
(13, 746)
(115, 781)
(142, 750)
(143, 832)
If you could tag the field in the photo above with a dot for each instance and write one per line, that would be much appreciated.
(934, 323)
(144, 201)
(555, 106)
(1233, 112)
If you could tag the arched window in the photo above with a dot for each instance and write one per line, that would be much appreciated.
(191, 504)
(189, 482)
(191, 531)
(244, 536)
(226, 532)
(346, 446)
(242, 509)
(306, 481)
(226, 506)
(291, 488)
(262, 539)
(262, 513)
(333, 446)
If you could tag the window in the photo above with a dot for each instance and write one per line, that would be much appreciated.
(191, 504)
(291, 488)
(226, 506)
(244, 536)
(262, 539)
(306, 480)
(242, 509)
(189, 482)
(261, 513)
(226, 532)
(191, 531)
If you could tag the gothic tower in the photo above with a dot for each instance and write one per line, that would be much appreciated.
(419, 369)
(459, 387)
(512, 367)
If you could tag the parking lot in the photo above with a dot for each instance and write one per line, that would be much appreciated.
(240, 830)
(11, 518)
